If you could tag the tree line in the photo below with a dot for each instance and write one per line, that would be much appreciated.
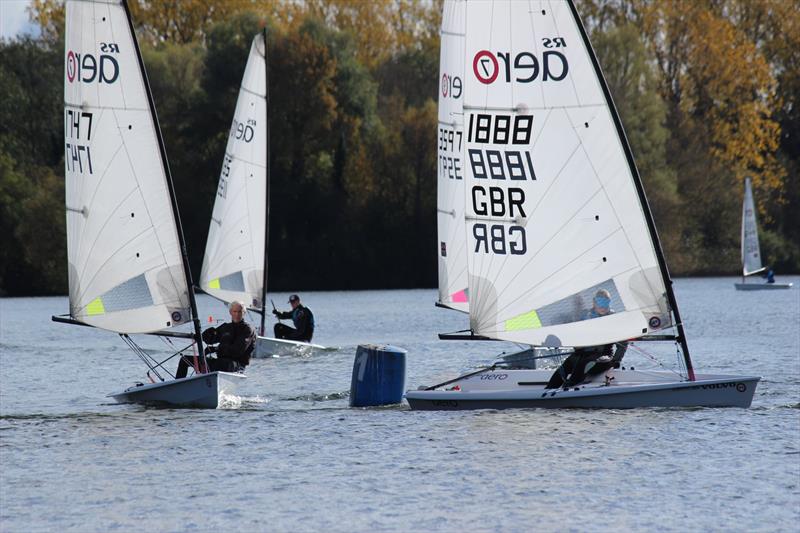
(707, 92)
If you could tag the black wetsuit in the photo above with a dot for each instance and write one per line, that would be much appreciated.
(581, 364)
(237, 340)
(303, 320)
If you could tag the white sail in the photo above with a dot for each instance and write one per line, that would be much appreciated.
(555, 218)
(751, 251)
(233, 266)
(125, 265)
(452, 246)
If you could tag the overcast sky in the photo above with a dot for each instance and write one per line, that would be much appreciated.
(14, 19)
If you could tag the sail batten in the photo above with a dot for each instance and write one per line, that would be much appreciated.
(559, 245)
(236, 248)
(126, 269)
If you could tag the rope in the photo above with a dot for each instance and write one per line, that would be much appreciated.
(151, 362)
(655, 360)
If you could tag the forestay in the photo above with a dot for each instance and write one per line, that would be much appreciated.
(126, 271)
(234, 260)
(452, 249)
(751, 251)
(553, 213)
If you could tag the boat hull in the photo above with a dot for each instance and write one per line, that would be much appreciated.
(201, 390)
(270, 347)
(628, 390)
(761, 286)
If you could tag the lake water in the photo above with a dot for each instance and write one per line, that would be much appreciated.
(289, 455)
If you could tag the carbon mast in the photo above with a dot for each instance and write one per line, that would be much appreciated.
(637, 180)
(266, 216)
(171, 188)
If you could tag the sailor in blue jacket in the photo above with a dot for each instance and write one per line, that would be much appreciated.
(302, 318)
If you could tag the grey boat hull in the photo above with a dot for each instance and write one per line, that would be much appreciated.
(529, 392)
(201, 390)
(761, 286)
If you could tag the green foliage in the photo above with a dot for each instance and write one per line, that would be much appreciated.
(779, 252)
(33, 255)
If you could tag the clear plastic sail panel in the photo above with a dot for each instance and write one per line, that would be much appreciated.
(125, 267)
(233, 265)
(452, 245)
(559, 251)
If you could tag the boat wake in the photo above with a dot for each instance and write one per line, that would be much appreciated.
(229, 401)
(316, 397)
(232, 401)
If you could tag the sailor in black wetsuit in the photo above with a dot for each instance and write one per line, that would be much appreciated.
(236, 341)
(584, 363)
(303, 320)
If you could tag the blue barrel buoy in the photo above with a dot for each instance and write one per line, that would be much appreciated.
(379, 376)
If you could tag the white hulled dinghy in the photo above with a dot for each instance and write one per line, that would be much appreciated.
(562, 249)
(235, 264)
(751, 250)
(128, 268)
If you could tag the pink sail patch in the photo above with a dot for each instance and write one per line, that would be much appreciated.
(460, 297)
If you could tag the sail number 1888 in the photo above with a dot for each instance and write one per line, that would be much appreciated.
(499, 129)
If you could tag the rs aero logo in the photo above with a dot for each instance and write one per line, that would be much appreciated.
(524, 67)
(88, 68)
(451, 86)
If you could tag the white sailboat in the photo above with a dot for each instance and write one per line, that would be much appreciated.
(556, 218)
(235, 262)
(128, 269)
(751, 250)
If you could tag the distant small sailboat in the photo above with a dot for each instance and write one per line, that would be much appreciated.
(235, 264)
(751, 250)
(562, 250)
(128, 268)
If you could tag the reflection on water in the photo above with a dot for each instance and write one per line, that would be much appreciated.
(287, 453)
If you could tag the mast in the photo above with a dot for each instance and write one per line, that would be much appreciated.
(266, 216)
(637, 180)
(170, 187)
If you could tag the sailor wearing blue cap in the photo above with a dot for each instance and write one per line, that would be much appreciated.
(601, 306)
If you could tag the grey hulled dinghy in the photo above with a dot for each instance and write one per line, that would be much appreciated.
(128, 268)
(562, 250)
(615, 389)
(201, 390)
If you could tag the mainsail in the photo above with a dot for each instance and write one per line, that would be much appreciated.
(561, 246)
(126, 269)
(234, 262)
(452, 246)
(751, 251)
